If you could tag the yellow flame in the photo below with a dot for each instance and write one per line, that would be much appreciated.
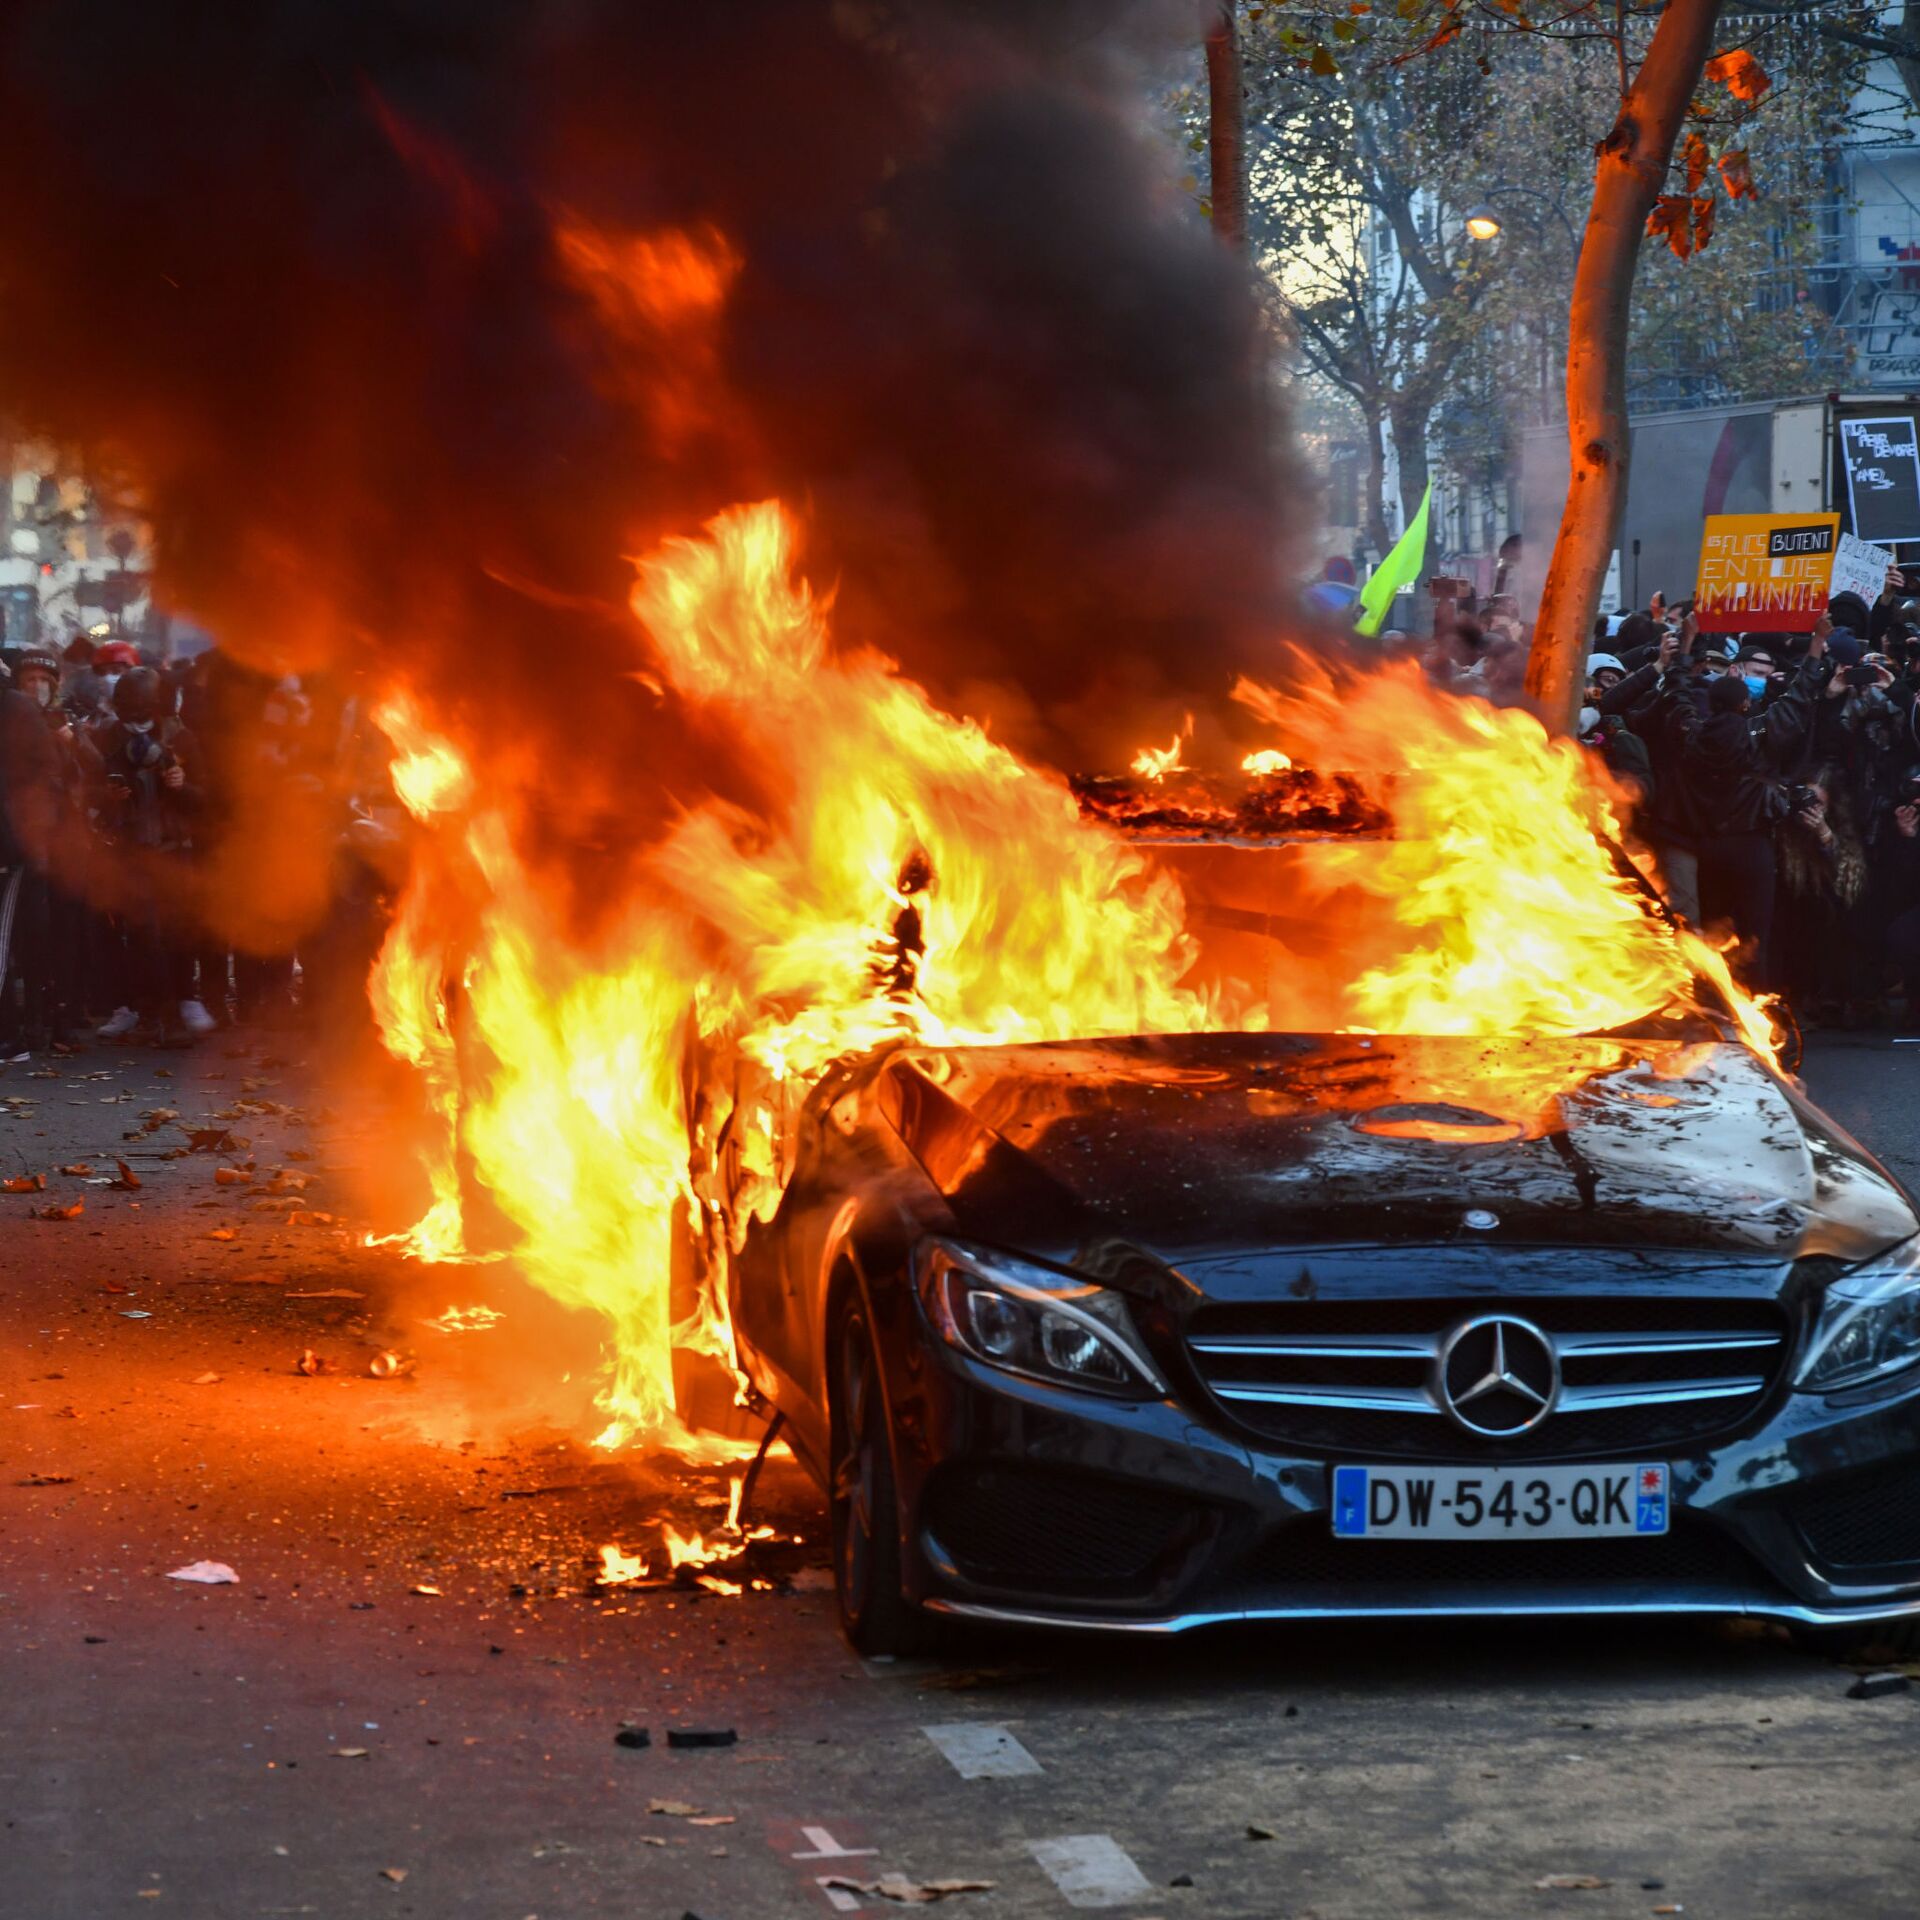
(1153, 764)
(617, 1568)
(1264, 761)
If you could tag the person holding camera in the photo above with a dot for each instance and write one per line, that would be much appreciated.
(147, 803)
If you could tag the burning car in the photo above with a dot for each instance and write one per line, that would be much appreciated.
(1154, 1332)
(1360, 1198)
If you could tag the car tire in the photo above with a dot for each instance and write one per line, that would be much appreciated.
(875, 1615)
(1871, 1643)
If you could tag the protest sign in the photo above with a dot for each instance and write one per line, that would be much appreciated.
(1765, 572)
(1860, 567)
(1882, 458)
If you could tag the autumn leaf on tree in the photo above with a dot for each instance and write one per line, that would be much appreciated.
(1737, 176)
(1672, 216)
(1696, 159)
(1740, 73)
(1703, 207)
(1323, 63)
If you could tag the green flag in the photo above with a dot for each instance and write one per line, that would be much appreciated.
(1401, 568)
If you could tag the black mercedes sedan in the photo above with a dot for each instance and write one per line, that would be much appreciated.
(1150, 1333)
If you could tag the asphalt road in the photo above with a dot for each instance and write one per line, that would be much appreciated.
(406, 1702)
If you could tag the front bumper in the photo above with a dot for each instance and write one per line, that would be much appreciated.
(1029, 1505)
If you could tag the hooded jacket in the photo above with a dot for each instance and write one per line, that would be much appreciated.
(1730, 766)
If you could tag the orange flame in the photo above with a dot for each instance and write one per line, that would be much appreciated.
(1267, 760)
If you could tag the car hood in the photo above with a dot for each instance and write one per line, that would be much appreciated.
(1198, 1144)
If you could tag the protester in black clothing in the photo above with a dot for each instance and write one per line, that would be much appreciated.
(30, 781)
(1900, 878)
(1729, 775)
(148, 799)
(1824, 932)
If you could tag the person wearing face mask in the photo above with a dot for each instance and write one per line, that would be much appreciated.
(147, 801)
(1732, 766)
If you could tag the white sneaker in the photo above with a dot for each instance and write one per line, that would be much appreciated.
(123, 1023)
(195, 1018)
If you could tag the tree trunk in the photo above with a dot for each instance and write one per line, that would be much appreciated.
(1376, 502)
(1227, 129)
(1632, 169)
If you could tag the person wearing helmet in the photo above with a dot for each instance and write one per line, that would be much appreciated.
(1605, 671)
(148, 801)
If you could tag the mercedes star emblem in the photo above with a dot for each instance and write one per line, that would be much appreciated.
(1497, 1376)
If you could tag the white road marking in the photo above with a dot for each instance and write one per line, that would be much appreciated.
(982, 1753)
(1091, 1869)
(826, 1847)
(838, 1898)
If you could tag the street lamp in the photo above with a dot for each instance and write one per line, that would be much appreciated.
(1484, 222)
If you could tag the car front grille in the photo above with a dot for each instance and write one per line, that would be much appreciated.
(1304, 1557)
(1355, 1377)
(1869, 1520)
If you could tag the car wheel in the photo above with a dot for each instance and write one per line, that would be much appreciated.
(874, 1614)
(1871, 1643)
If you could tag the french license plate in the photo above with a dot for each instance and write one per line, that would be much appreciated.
(1480, 1503)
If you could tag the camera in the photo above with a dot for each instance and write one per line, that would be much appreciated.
(1802, 798)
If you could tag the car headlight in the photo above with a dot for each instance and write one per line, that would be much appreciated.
(1033, 1320)
(1869, 1323)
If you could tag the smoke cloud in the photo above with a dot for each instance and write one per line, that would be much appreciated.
(372, 306)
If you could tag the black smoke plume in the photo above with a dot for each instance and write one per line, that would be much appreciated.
(290, 271)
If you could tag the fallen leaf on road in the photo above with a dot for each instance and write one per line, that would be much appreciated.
(310, 1363)
(205, 1380)
(1571, 1883)
(206, 1573)
(212, 1140)
(711, 1820)
(895, 1886)
(157, 1117)
(231, 1176)
(128, 1178)
(46, 1480)
(432, 1593)
(61, 1213)
(395, 1874)
(352, 1753)
(25, 1183)
(675, 1809)
(651, 1840)
(1260, 1833)
(78, 1169)
(223, 1233)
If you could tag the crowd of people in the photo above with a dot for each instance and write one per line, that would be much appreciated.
(124, 778)
(1774, 781)
(1775, 778)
